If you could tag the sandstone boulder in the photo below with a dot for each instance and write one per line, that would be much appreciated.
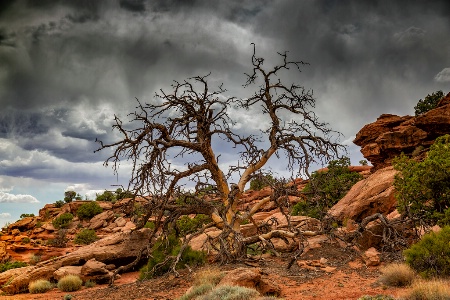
(251, 278)
(4, 256)
(24, 224)
(371, 257)
(375, 194)
(96, 271)
(101, 220)
(118, 249)
(67, 270)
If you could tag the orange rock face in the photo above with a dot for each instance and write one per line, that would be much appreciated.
(390, 135)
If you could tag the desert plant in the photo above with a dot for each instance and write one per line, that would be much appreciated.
(12, 265)
(69, 196)
(226, 292)
(89, 283)
(261, 181)
(39, 286)
(209, 275)
(427, 104)
(63, 221)
(89, 210)
(35, 258)
(70, 283)
(429, 290)
(397, 275)
(59, 203)
(186, 224)
(26, 240)
(196, 291)
(326, 188)
(26, 215)
(423, 188)
(431, 255)
(60, 240)
(163, 254)
(105, 196)
(68, 297)
(85, 237)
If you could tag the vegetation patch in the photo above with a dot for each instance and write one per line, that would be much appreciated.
(431, 255)
(430, 102)
(85, 237)
(163, 255)
(326, 188)
(63, 221)
(40, 286)
(12, 265)
(429, 290)
(397, 275)
(89, 210)
(70, 283)
(423, 188)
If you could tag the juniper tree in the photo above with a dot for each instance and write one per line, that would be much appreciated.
(184, 123)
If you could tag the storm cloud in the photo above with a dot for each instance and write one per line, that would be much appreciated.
(68, 66)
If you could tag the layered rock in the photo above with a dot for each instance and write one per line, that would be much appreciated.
(390, 135)
(375, 194)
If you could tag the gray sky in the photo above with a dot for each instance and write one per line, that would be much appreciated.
(67, 66)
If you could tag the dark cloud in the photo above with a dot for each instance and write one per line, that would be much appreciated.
(69, 66)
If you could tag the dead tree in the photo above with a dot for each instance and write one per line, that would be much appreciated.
(171, 143)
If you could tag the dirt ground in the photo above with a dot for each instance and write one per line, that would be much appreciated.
(344, 277)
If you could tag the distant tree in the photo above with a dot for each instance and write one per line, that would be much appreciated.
(106, 196)
(26, 215)
(121, 194)
(430, 102)
(186, 122)
(69, 196)
(363, 162)
(78, 197)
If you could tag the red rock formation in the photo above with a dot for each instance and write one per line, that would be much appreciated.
(390, 135)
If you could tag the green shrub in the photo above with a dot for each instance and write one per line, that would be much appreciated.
(85, 237)
(326, 188)
(39, 286)
(186, 225)
(431, 255)
(163, 254)
(26, 240)
(197, 291)
(26, 215)
(430, 102)
(423, 188)
(63, 221)
(70, 283)
(89, 283)
(68, 297)
(429, 290)
(59, 203)
(69, 196)
(12, 265)
(60, 239)
(106, 196)
(150, 225)
(261, 181)
(226, 292)
(88, 210)
(397, 275)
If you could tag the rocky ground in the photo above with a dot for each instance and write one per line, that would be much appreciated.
(328, 272)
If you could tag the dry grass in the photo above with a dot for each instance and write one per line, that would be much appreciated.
(429, 290)
(397, 275)
(226, 292)
(209, 275)
(70, 283)
(40, 286)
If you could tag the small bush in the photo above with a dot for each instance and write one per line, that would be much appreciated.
(70, 283)
(261, 181)
(186, 225)
(26, 215)
(431, 255)
(429, 290)
(89, 283)
(106, 196)
(197, 291)
(63, 221)
(150, 225)
(397, 275)
(326, 188)
(226, 292)
(85, 237)
(59, 203)
(60, 239)
(88, 210)
(163, 254)
(40, 286)
(209, 275)
(68, 297)
(26, 240)
(12, 265)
